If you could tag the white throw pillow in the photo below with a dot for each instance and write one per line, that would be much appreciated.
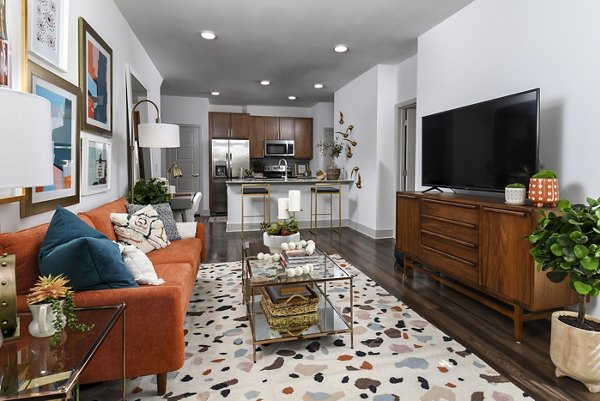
(143, 229)
(139, 265)
(187, 230)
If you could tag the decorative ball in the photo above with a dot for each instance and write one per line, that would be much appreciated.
(290, 272)
(310, 267)
(260, 256)
(299, 245)
(310, 242)
(285, 246)
(292, 246)
(276, 257)
(306, 268)
(303, 243)
(267, 258)
(310, 250)
(298, 270)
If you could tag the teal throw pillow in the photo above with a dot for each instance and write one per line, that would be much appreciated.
(84, 255)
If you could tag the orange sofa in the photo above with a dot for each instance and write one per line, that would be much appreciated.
(154, 314)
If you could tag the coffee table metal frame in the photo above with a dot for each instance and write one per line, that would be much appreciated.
(256, 274)
(70, 389)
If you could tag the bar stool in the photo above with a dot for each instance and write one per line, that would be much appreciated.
(325, 189)
(251, 190)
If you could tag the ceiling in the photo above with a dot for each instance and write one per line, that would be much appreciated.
(287, 42)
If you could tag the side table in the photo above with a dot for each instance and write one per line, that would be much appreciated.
(31, 369)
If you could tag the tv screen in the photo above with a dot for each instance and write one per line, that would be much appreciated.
(483, 146)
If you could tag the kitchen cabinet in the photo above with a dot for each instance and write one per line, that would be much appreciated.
(229, 125)
(257, 137)
(286, 128)
(271, 127)
(303, 138)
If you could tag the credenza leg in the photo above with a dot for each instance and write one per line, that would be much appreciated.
(518, 323)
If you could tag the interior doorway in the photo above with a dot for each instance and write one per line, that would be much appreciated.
(407, 137)
(187, 157)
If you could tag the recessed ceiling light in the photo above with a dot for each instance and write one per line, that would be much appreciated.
(340, 48)
(264, 82)
(318, 86)
(292, 97)
(208, 35)
(215, 93)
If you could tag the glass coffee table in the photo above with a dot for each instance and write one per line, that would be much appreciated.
(327, 319)
(31, 369)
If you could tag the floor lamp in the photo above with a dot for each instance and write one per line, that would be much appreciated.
(151, 135)
(26, 138)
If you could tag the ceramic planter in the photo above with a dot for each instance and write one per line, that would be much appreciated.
(576, 352)
(333, 173)
(543, 190)
(514, 196)
(274, 241)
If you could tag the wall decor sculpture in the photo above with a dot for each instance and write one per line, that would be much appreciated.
(95, 80)
(349, 152)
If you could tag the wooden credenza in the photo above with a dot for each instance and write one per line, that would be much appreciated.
(478, 246)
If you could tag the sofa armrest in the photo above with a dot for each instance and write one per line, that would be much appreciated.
(201, 236)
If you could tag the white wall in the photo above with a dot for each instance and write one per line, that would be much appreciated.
(108, 22)
(278, 111)
(497, 47)
(192, 111)
(322, 114)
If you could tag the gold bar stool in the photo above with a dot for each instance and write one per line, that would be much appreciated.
(325, 189)
(251, 190)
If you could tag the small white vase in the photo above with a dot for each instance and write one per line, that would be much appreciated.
(514, 196)
(274, 241)
(42, 319)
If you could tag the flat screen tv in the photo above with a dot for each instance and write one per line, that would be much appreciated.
(482, 146)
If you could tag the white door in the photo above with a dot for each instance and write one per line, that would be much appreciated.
(187, 156)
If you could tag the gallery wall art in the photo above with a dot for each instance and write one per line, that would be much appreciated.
(95, 165)
(95, 80)
(47, 25)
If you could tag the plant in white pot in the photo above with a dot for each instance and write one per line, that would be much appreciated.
(567, 245)
(514, 194)
(332, 149)
(279, 232)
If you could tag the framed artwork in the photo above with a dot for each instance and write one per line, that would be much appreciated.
(64, 99)
(95, 81)
(47, 25)
(3, 32)
(301, 169)
(4, 63)
(96, 164)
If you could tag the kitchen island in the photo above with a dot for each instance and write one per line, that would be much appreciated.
(279, 189)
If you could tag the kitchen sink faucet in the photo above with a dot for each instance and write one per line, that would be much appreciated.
(286, 166)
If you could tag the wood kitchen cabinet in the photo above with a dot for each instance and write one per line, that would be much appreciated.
(478, 246)
(257, 137)
(229, 125)
(303, 138)
(271, 127)
(286, 128)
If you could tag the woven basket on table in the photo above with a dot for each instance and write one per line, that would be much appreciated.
(292, 324)
(297, 304)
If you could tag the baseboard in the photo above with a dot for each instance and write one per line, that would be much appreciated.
(369, 232)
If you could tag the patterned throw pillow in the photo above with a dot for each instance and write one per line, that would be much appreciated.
(165, 214)
(143, 229)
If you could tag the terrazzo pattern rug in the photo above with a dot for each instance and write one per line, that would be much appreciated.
(397, 355)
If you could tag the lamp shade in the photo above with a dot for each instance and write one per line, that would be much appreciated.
(158, 135)
(25, 139)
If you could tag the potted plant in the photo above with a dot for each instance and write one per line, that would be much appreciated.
(567, 245)
(51, 304)
(514, 194)
(332, 149)
(543, 188)
(151, 192)
(279, 232)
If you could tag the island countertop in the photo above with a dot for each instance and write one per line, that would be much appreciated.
(301, 180)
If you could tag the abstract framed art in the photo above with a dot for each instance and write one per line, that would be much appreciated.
(64, 98)
(95, 81)
(4, 63)
(96, 166)
(47, 25)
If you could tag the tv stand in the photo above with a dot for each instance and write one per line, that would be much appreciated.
(478, 246)
(432, 189)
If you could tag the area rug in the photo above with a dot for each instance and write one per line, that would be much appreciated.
(397, 355)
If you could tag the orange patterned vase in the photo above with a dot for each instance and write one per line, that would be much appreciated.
(543, 190)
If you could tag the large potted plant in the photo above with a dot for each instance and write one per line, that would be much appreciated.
(566, 245)
(151, 192)
(543, 188)
(332, 149)
(51, 304)
(279, 232)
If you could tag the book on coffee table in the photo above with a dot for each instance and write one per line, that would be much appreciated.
(281, 293)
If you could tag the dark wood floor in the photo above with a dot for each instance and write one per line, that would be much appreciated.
(485, 332)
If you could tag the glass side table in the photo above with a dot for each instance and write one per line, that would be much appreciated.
(31, 369)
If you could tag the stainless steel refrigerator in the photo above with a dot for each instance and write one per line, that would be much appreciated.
(229, 158)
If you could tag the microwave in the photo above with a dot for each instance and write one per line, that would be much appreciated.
(279, 147)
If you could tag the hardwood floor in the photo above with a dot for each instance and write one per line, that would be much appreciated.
(485, 332)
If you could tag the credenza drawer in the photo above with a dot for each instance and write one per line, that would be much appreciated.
(453, 266)
(466, 232)
(462, 249)
(450, 210)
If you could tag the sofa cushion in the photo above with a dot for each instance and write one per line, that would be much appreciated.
(165, 214)
(84, 255)
(143, 229)
(182, 251)
(99, 216)
(139, 265)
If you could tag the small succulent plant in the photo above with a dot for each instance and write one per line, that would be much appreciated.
(515, 185)
(283, 228)
(53, 290)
